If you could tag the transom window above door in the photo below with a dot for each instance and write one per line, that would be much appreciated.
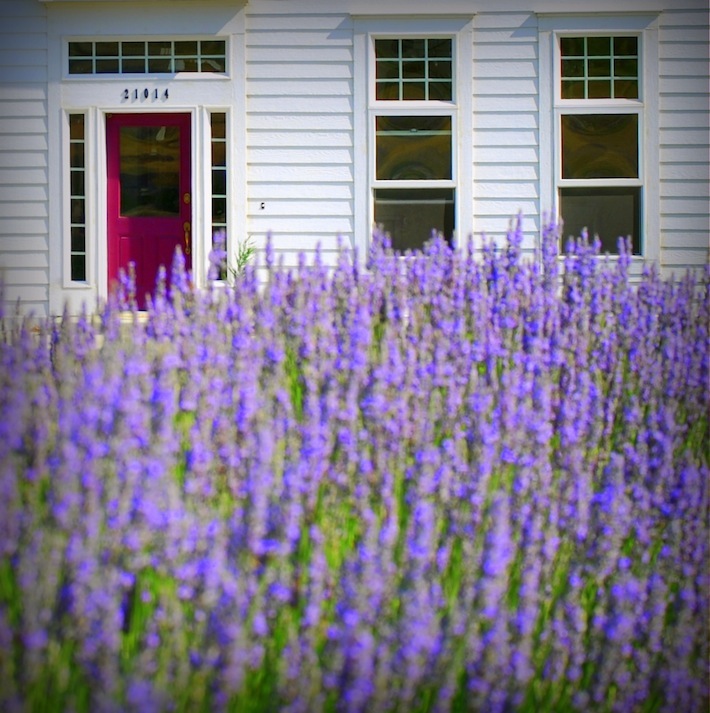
(147, 56)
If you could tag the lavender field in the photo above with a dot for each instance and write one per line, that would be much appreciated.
(449, 483)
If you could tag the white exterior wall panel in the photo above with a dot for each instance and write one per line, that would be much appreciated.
(24, 208)
(684, 124)
(505, 125)
(299, 131)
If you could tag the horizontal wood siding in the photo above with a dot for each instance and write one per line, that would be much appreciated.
(505, 125)
(684, 141)
(24, 249)
(299, 131)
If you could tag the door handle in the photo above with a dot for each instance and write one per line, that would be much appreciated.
(186, 228)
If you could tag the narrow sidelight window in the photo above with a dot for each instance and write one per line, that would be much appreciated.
(77, 197)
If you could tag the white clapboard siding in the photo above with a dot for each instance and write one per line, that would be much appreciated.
(684, 139)
(24, 254)
(505, 126)
(299, 130)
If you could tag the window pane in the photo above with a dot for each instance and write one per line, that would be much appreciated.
(410, 215)
(76, 180)
(186, 49)
(81, 66)
(107, 66)
(599, 89)
(133, 66)
(78, 239)
(600, 146)
(606, 212)
(573, 68)
(412, 48)
(413, 147)
(572, 46)
(186, 64)
(626, 46)
(81, 49)
(219, 152)
(387, 49)
(107, 49)
(600, 68)
(440, 69)
(573, 90)
(219, 210)
(133, 49)
(76, 127)
(439, 48)
(78, 268)
(440, 91)
(77, 210)
(387, 70)
(387, 91)
(150, 170)
(413, 70)
(160, 49)
(413, 91)
(624, 89)
(160, 65)
(219, 181)
(626, 67)
(215, 64)
(598, 46)
(218, 124)
(76, 155)
(213, 47)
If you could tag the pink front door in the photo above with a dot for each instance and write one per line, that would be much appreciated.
(148, 202)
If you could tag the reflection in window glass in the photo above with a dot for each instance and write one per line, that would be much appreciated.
(150, 171)
(608, 213)
(410, 216)
(600, 146)
(413, 147)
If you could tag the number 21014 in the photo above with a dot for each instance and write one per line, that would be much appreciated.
(145, 94)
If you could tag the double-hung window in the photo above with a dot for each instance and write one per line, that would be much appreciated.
(413, 120)
(600, 125)
(599, 128)
(412, 76)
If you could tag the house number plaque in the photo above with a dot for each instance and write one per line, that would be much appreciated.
(144, 94)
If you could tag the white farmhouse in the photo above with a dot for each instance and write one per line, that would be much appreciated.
(129, 128)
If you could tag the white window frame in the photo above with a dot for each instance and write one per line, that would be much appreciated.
(646, 107)
(367, 108)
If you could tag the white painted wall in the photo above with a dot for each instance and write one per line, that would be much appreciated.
(684, 136)
(299, 128)
(24, 209)
(506, 155)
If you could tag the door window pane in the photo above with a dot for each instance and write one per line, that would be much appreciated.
(150, 171)
(413, 147)
(600, 146)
